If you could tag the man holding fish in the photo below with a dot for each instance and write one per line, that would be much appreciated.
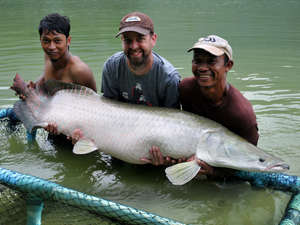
(138, 75)
(60, 64)
(209, 94)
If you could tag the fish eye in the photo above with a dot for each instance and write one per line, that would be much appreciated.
(262, 159)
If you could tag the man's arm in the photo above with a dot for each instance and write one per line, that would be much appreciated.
(212, 172)
(157, 159)
(40, 79)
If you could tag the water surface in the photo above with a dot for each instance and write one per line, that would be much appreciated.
(264, 36)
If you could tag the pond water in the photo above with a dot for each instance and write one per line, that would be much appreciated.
(264, 36)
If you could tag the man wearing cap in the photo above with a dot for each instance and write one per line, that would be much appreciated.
(208, 94)
(138, 75)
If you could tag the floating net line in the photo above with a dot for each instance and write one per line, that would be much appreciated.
(14, 210)
(24, 197)
(282, 182)
(34, 192)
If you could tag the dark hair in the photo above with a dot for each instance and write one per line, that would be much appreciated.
(55, 23)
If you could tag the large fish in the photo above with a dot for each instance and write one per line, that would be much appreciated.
(127, 131)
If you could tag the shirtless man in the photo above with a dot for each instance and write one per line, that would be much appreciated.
(60, 64)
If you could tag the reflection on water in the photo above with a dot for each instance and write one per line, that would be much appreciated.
(264, 36)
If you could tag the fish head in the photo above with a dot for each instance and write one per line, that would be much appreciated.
(231, 151)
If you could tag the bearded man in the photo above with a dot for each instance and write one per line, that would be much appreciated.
(138, 75)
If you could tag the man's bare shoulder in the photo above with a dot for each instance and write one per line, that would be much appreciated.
(77, 63)
(79, 69)
(81, 73)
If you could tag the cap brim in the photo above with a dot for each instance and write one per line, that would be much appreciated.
(139, 30)
(209, 48)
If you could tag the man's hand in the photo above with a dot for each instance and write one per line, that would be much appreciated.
(77, 134)
(52, 128)
(205, 168)
(158, 160)
(30, 85)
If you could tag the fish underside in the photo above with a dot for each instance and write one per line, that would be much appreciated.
(127, 131)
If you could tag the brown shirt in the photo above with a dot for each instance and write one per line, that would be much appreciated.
(235, 113)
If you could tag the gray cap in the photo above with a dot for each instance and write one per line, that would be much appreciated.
(214, 45)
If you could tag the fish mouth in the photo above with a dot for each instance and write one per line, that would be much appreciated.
(277, 167)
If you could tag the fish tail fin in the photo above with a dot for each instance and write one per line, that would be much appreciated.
(25, 109)
(182, 173)
(26, 116)
(20, 85)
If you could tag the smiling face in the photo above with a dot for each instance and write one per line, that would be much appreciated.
(55, 45)
(209, 69)
(138, 47)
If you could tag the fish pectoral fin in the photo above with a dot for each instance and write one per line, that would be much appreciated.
(182, 173)
(40, 125)
(84, 146)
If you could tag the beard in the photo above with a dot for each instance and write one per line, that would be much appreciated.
(138, 63)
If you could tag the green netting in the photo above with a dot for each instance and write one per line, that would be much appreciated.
(282, 182)
(13, 210)
(21, 191)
